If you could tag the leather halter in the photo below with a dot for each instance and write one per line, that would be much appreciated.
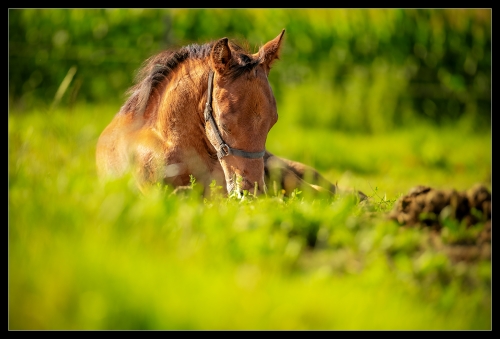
(223, 149)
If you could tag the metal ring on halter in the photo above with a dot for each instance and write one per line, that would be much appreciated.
(224, 150)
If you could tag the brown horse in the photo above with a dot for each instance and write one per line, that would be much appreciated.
(203, 110)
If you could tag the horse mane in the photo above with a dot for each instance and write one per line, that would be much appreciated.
(158, 67)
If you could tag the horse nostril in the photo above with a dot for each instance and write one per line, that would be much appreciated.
(238, 193)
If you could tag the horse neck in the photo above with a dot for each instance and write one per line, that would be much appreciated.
(180, 113)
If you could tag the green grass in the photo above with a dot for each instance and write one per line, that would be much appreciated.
(86, 255)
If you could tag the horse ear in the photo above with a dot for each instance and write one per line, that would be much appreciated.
(220, 55)
(270, 51)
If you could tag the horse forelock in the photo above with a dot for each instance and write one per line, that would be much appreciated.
(157, 68)
(241, 62)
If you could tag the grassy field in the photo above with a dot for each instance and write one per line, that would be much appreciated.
(86, 255)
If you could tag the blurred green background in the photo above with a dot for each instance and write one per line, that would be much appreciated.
(363, 70)
(376, 99)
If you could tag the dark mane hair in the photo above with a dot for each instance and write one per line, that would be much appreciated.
(158, 67)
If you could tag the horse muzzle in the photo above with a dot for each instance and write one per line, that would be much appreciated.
(240, 185)
(244, 175)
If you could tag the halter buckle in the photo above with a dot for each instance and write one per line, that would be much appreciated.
(224, 150)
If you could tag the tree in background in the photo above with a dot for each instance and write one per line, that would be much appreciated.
(366, 70)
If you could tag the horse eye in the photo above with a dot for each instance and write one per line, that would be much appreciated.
(225, 128)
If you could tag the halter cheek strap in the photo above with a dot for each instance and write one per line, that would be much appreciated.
(223, 149)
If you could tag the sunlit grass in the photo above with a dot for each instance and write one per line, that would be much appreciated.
(394, 162)
(86, 255)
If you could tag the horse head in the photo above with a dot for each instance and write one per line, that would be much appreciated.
(240, 111)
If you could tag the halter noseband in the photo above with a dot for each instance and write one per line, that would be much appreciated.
(223, 149)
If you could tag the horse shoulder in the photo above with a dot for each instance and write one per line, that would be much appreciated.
(127, 141)
(111, 155)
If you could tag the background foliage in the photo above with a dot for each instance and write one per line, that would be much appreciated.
(380, 100)
(348, 69)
